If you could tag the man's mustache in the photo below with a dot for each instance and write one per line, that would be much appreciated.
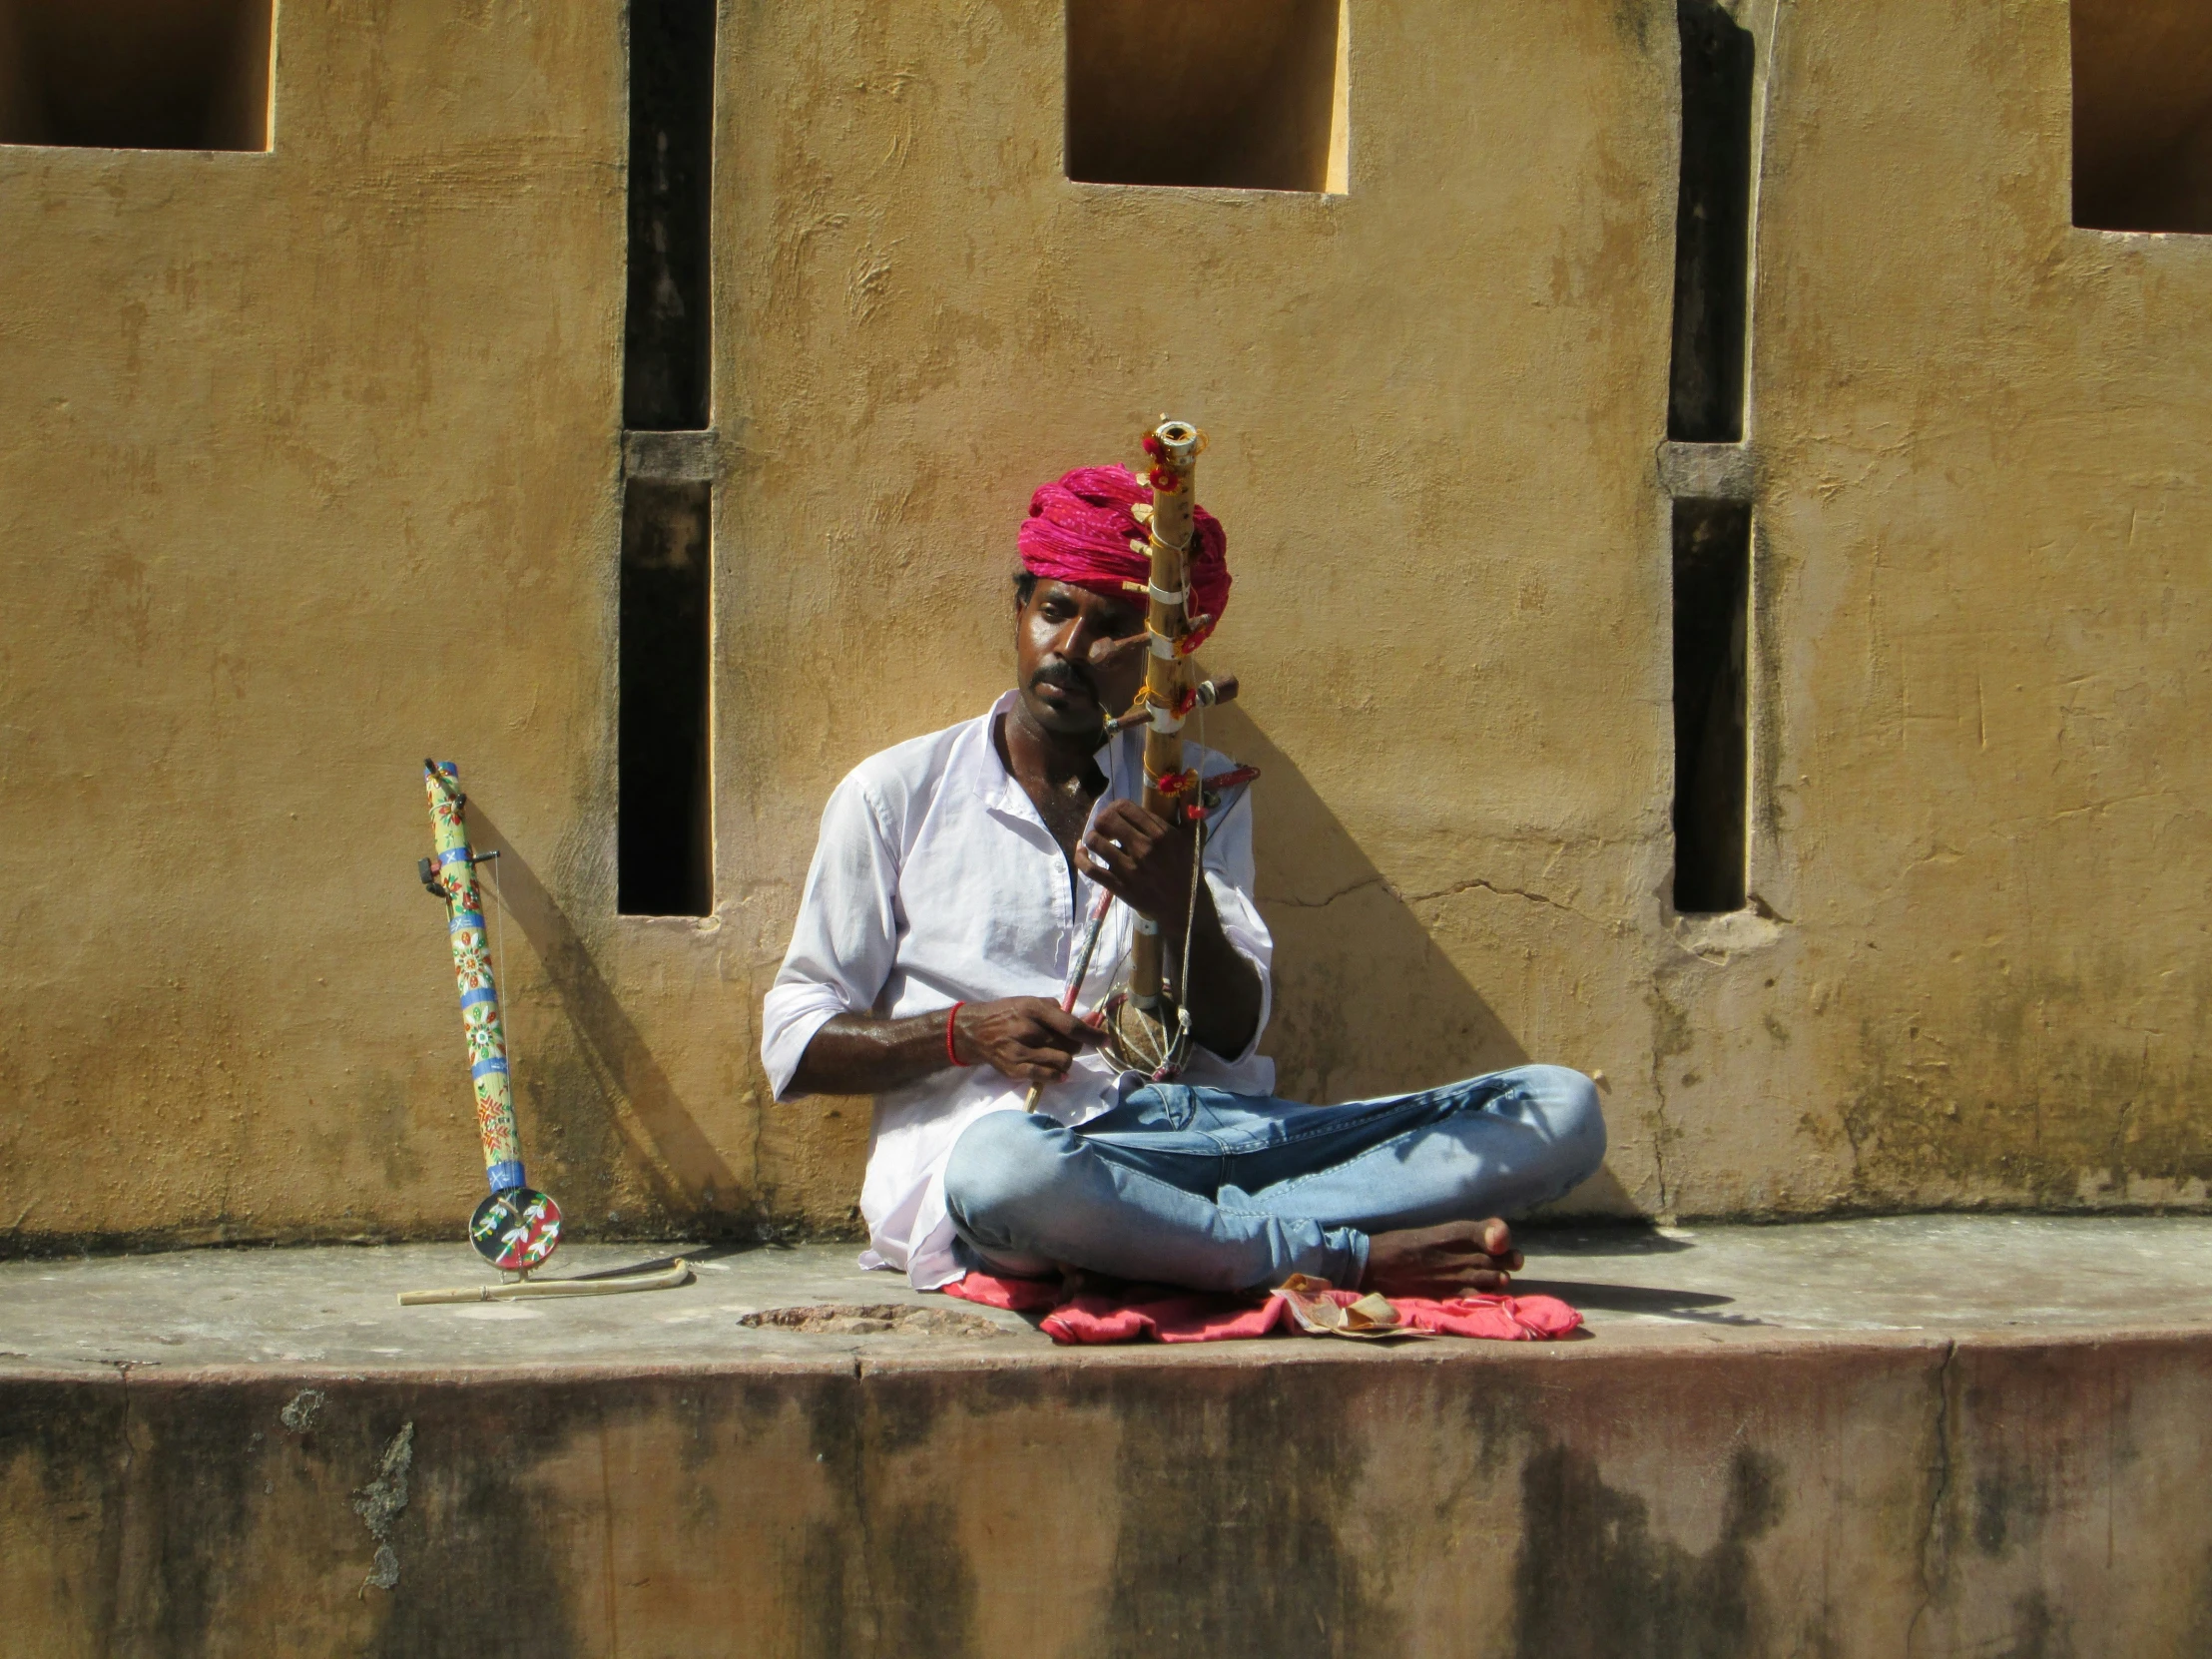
(1058, 671)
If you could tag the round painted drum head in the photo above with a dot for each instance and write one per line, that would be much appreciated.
(515, 1229)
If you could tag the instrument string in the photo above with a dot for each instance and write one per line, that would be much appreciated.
(1198, 867)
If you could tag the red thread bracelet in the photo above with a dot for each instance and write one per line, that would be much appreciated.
(952, 1053)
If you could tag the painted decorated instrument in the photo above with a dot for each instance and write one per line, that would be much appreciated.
(516, 1228)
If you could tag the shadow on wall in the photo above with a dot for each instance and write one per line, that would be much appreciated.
(1365, 1002)
(687, 1176)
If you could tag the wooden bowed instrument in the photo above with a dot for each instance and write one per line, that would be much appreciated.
(1149, 1027)
(1146, 1018)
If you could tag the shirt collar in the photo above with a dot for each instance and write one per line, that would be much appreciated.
(985, 773)
(976, 759)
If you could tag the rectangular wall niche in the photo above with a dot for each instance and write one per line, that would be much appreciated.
(136, 73)
(1243, 93)
(1712, 228)
(665, 834)
(1712, 595)
(2142, 115)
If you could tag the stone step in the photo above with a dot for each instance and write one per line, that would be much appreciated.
(1925, 1435)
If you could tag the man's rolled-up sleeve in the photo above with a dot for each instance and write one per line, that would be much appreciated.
(846, 938)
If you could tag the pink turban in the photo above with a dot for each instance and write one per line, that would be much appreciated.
(1079, 529)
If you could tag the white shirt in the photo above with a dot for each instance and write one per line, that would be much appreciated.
(936, 882)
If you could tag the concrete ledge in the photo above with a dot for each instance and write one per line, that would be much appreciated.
(1708, 471)
(1677, 1484)
(673, 457)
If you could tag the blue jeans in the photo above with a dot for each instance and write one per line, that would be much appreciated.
(1227, 1192)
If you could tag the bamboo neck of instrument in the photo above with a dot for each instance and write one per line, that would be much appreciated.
(1174, 449)
(1167, 619)
(1164, 684)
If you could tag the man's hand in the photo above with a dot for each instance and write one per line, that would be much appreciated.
(1026, 1038)
(1146, 863)
(1143, 862)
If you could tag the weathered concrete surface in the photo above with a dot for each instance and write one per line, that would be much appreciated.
(284, 1309)
(309, 465)
(1765, 1470)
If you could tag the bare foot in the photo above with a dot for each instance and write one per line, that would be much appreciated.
(1445, 1261)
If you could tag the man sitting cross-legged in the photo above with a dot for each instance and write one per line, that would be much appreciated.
(941, 916)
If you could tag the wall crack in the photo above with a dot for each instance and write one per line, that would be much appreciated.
(861, 1520)
(1932, 1534)
(1476, 884)
(1670, 1036)
(1290, 904)
(1471, 885)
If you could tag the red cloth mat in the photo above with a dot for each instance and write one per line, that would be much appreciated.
(1129, 1312)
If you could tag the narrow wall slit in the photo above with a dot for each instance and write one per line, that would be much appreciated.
(1712, 600)
(665, 829)
(665, 840)
(666, 341)
(1711, 234)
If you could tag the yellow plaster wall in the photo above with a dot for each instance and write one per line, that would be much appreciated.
(1433, 405)
(309, 466)
(1983, 604)
(307, 469)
